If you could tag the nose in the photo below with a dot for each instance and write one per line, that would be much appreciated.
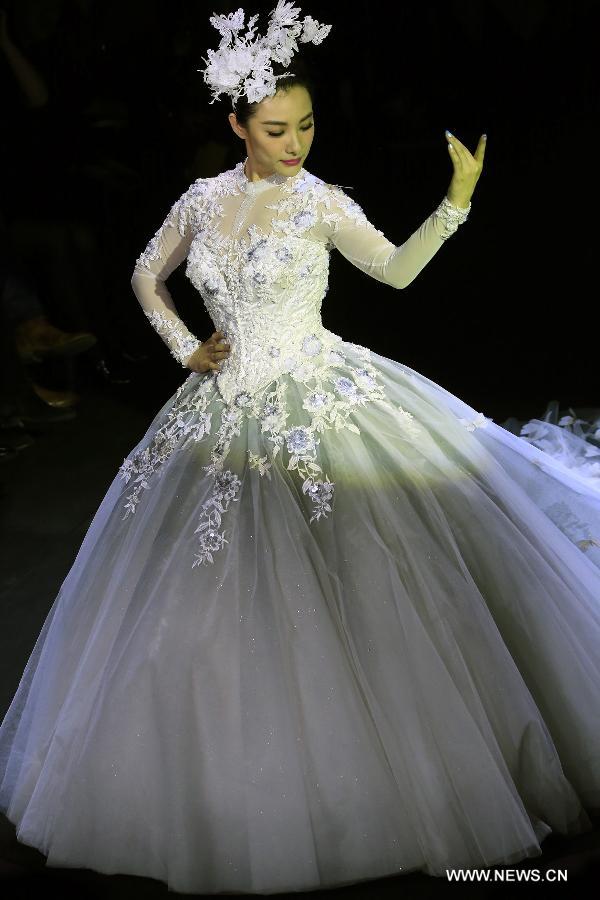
(293, 150)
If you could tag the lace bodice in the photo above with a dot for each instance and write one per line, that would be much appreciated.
(258, 253)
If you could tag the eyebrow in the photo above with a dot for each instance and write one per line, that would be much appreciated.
(273, 122)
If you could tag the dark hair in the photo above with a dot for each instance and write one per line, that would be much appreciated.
(301, 76)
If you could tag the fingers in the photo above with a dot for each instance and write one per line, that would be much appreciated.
(216, 338)
(457, 150)
(480, 149)
(217, 350)
(456, 159)
(462, 158)
(215, 341)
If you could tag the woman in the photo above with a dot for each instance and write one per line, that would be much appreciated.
(323, 626)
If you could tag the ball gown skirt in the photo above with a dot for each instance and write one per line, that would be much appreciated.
(241, 690)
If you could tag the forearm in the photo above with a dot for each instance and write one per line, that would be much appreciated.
(156, 302)
(408, 259)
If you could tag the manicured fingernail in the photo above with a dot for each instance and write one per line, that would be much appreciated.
(484, 136)
(449, 133)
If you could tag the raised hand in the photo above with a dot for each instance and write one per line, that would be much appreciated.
(467, 169)
(209, 354)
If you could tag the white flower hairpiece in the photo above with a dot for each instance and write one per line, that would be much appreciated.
(242, 65)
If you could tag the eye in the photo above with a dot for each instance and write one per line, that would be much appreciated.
(279, 133)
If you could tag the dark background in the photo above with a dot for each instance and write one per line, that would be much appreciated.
(505, 315)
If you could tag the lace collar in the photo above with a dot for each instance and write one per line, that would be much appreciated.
(255, 187)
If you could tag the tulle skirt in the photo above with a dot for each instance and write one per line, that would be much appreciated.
(270, 677)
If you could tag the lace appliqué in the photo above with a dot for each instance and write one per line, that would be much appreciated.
(187, 419)
(577, 531)
(178, 339)
(192, 208)
(329, 403)
(310, 200)
(226, 485)
(480, 421)
(259, 462)
(450, 217)
(301, 443)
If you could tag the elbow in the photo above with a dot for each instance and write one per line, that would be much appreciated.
(138, 272)
(135, 284)
(396, 276)
(398, 282)
(141, 276)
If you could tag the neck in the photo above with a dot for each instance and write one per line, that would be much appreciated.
(253, 174)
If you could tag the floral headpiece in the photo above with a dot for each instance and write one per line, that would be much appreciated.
(242, 65)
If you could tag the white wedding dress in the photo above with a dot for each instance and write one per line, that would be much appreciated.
(329, 622)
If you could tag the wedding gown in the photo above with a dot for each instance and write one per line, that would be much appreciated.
(329, 622)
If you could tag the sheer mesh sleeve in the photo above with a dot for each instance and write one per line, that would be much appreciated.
(164, 252)
(349, 230)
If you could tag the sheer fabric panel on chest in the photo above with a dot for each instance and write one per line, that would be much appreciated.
(246, 217)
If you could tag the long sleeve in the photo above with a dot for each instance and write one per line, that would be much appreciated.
(349, 230)
(164, 252)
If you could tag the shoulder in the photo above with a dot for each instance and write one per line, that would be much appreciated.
(330, 192)
(213, 186)
(311, 186)
(333, 198)
(200, 200)
(317, 191)
(198, 190)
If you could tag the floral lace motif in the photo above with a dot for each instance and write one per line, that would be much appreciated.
(312, 200)
(185, 419)
(174, 333)
(577, 531)
(189, 212)
(329, 404)
(226, 486)
(480, 421)
(450, 217)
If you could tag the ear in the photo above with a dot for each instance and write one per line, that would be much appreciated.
(241, 132)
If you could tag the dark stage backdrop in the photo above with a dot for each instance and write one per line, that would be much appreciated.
(505, 316)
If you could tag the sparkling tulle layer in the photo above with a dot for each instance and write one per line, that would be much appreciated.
(410, 681)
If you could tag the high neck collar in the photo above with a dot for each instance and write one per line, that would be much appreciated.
(255, 187)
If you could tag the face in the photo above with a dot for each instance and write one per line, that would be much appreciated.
(281, 128)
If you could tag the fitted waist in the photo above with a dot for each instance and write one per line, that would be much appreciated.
(256, 358)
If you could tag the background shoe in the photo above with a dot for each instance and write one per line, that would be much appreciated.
(7, 453)
(33, 411)
(16, 439)
(110, 370)
(57, 399)
(37, 339)
(108, 366)
(12, 431)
